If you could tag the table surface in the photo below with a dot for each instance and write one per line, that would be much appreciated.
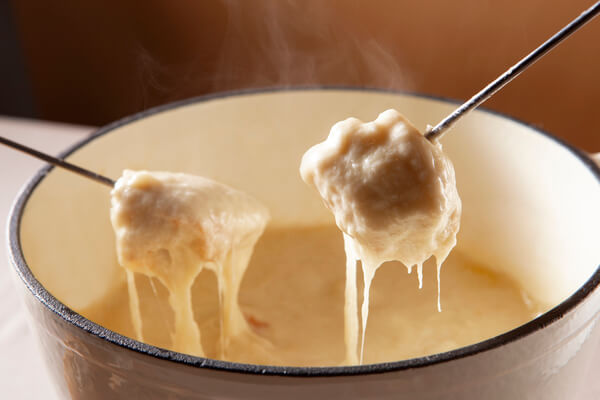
(21, 364)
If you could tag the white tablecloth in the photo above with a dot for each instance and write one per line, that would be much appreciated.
(22, 373)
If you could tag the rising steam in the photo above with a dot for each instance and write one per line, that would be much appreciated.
(265, 43)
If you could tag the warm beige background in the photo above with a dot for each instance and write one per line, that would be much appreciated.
(96, 60)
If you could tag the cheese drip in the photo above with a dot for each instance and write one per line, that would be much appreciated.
(171, 226)
(293, 298)
(393, 194)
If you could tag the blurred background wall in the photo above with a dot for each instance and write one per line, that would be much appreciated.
(95, 61)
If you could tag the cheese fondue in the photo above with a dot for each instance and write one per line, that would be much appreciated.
(171, 226)
(292, 296)
(393, 194)
(193, 285)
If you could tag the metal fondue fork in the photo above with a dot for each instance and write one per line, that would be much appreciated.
(434, 133)
(58, 162)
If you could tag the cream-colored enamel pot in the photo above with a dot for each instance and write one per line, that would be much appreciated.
(531, 209)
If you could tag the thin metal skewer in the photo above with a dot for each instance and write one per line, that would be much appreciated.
(58, 162)
(437, 131)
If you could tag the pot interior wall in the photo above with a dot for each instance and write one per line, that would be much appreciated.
(530, 208)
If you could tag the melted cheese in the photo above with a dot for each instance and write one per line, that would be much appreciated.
(293, 296)
(171, 226)
(392, 193)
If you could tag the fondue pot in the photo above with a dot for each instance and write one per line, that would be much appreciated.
(531, 209)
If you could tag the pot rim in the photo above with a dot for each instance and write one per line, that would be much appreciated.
(17, 259)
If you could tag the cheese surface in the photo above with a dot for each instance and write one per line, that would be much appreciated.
(293, 294)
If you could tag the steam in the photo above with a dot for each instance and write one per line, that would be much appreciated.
(266, 43)
(287, 43)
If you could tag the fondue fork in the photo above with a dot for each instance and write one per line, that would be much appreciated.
(58, 162)
(434, 133)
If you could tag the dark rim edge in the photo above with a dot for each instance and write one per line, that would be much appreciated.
(17, 259)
